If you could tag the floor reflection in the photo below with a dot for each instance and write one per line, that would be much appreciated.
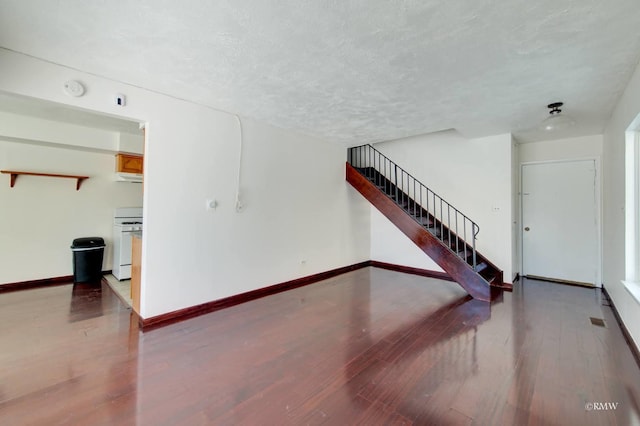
(86, 301)
(555, 351)
(441, 343)
(71, 352)
(368, 347)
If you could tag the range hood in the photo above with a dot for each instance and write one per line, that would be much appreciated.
(129, 177)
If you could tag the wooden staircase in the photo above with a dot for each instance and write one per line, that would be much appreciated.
(442, 239)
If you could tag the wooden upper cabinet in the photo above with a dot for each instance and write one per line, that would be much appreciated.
(129, 163)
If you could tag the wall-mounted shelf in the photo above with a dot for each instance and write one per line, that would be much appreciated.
(14, 175)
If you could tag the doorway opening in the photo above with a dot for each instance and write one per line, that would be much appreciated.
(42, 216)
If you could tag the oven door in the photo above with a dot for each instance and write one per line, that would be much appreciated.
(125, 249)
(122, 252)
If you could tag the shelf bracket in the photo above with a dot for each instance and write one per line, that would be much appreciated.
(79, 182)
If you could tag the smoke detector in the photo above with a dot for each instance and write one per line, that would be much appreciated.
(74, 88)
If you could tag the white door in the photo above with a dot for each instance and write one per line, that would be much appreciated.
(560, 221)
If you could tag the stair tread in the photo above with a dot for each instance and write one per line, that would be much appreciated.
(461, 254)
(422, 220)
(481, 267)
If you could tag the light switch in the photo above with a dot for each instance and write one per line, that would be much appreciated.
(211, 204)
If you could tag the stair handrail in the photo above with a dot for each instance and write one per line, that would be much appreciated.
(360, 161)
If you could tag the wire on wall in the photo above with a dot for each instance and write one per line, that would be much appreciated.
(239, 204)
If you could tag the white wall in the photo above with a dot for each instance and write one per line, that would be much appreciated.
(626, 110)
(300, 217)
(562, 149)
(52, 133)
(390, 245)
(474, 175)
(41, 216)
(298, 204)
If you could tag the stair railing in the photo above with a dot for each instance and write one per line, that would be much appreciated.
(431, 211)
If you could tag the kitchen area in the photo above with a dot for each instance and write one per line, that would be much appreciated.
(127, 236)
(127, 255)
(40, 142)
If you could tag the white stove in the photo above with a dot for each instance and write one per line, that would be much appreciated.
(125, 221)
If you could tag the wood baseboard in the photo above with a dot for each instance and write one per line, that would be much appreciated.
(215, 305)
(45, 282)
(205, 308)
(427, 273)
(559, 281)
(25, 285)
(411, 270)
(625, 331)
(503, 286)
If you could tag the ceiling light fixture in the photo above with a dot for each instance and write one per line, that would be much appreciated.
(556, 119)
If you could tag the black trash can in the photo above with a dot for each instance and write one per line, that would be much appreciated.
(87, 259)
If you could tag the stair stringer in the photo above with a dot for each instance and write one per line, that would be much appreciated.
(457, 268)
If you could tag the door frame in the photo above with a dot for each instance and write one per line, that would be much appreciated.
(598, 201)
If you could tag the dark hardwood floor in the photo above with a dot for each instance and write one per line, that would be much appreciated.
(368, 347)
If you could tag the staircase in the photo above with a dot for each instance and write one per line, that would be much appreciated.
(444, 233)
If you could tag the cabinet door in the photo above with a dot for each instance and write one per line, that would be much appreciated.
(129, 163)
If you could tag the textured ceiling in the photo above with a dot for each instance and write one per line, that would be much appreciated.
(352, 71)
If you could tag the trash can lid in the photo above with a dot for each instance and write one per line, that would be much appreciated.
(88, 242)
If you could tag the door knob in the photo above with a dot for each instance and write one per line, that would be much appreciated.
(526, 229)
